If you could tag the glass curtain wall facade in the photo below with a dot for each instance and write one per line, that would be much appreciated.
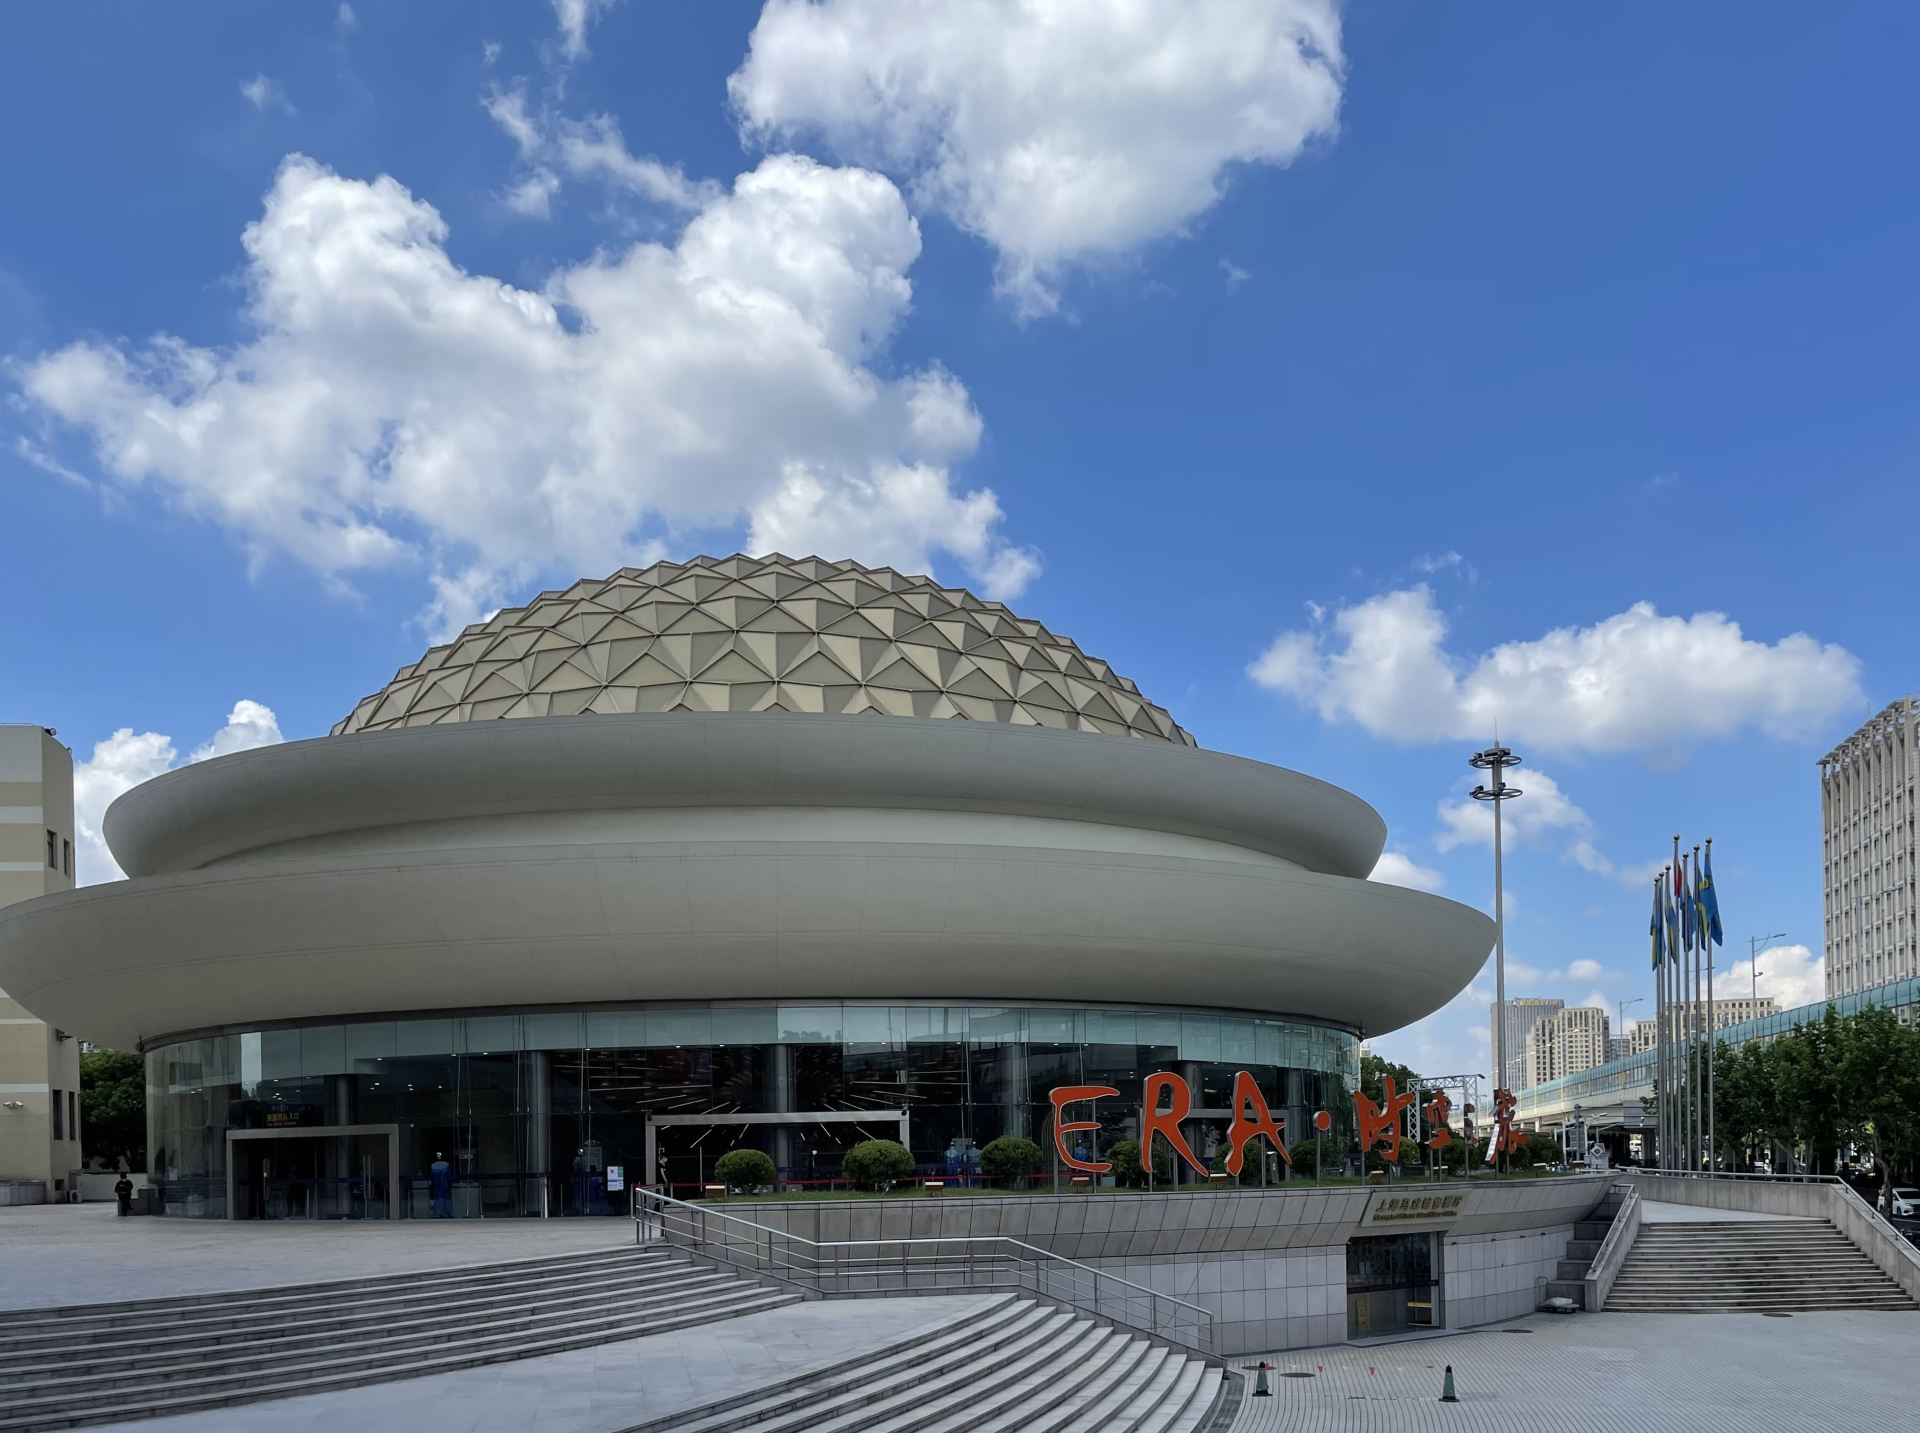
(540, 1112)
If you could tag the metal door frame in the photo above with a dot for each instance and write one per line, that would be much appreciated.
(392, 1132)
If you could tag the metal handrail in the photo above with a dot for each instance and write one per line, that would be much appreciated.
(1620, 1231)
(830, 1267)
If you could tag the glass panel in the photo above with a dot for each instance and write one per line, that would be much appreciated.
(743, 1025)
(615, 1030)
(1199, 1037)
(679, 1027)
(323, 1050)
(551, 1031)
(368, 1042)
(280, 1055)
(423, 1037)
(490, 1034)
(810, 1024)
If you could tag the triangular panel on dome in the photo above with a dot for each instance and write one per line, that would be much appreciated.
(819, 670)
(802, 697)
(732, 666)
(648, 671)
(660, 698)
(749, 696)
(611, 701)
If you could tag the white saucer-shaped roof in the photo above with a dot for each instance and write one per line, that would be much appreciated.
(849, 785)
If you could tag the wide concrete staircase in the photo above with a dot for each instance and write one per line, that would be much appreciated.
(1752, 1266)
(1016, 1365)
(102, 1363)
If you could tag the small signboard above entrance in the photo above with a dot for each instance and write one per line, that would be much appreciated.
(1391, 1209)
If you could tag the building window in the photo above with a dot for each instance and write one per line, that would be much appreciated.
(73, 1114)
(53, 852)
(66, 854)
(57, 1111)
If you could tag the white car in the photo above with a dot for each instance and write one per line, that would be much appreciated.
(1906, 1203)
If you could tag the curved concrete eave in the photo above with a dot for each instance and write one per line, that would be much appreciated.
(297, 940)
(203, 813)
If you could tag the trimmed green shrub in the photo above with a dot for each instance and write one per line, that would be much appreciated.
(744, 1170)
(1127, 1173)
(877, 1163)
(1009, 1158)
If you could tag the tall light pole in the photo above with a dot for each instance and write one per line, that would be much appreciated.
(1497, 759)
(1754, 942)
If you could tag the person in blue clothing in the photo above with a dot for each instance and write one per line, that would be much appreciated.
(442, 1176)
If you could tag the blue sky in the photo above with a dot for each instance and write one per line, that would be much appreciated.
(1351, 378)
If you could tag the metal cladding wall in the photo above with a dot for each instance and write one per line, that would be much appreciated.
(553, 862)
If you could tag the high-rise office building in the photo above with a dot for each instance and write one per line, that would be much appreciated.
(1734, 1010)
(39, 1065)
(1565, 1043)
(1867, 823)
(1522, 1016)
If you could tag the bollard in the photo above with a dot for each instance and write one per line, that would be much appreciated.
(1447, 1394)
(1260, 1389)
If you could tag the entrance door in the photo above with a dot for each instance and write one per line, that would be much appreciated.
(1391, 1284)
(342, 1173)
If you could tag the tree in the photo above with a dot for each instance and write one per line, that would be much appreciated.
(744, 1170)
(1373, 1077)
(1880, 1087)
(113, 1108)
(1009, 1158)
(1125, 1159)
(877, 1163)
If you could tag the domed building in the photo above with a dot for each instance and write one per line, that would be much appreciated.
(766, 851)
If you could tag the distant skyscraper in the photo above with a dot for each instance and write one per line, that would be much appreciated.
(1566, 1043)
(1522, 1016)
(1867, 819)
(1733, 1010)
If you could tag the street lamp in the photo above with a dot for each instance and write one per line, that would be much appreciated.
(1497, 759)
(1754, 942)
(1624, 1006)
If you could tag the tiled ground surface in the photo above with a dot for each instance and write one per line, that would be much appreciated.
(53, 1254)
(1613, 1373)
(596, 1390)
(1654, 1212)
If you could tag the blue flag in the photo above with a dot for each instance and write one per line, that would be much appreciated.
(1671, 903)
(1710, 899)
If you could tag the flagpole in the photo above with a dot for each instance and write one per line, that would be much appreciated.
(1694, 1058)
(1706, 939)
(1678, 929)
(1663, 1094)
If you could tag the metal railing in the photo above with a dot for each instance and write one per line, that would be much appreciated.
(926, 1265)
(1612, 1253)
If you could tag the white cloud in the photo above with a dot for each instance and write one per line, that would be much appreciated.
(263, 94)
(1584, 969)
(591, 148)
(392, 408)
(575, 18)
(1789, 973)
(1451, 561)
(1234, 274)
(344, 20)
(127, 758)
(1597, 1000)
(532, 197)
(1542, 816)
(1634, 681)
(1058, 130)
(1398, 869)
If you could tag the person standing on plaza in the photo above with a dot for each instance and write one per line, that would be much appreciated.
(123, 1194)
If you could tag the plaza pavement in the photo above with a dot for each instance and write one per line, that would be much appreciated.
(1612, 1373)
(53, 1254)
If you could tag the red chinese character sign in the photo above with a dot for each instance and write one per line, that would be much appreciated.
(1506, 1139)
(1437, 1109)
(1380, 1124)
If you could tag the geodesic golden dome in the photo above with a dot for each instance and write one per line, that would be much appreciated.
(756, 634)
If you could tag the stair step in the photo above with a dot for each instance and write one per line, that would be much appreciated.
(307, 1294)
(183, 1336)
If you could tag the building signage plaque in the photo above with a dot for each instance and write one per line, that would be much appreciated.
(1392, 1209)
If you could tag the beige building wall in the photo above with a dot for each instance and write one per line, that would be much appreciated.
(1870, 859)
(39, 1066)
(1725, 1012)
(1565, 1043)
